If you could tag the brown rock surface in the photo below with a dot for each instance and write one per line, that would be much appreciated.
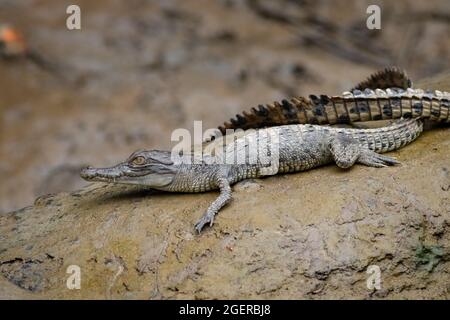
(305, 235)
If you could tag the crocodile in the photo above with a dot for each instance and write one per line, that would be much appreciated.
(385, 95)
(256, 153)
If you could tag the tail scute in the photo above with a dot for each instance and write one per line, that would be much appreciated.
(392, 77)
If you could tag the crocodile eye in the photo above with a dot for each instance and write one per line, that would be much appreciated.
(138, 161)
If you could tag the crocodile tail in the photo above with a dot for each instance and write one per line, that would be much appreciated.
(382, 105)
(347, 108)
(313, 110)
(289, 111)
(389, 138)
(392, 77)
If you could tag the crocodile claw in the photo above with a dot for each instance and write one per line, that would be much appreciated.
(203, 221)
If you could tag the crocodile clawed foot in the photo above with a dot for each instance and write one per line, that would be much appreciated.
(373, 159)
(207, 218)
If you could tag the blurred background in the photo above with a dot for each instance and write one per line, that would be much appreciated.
(139, 69)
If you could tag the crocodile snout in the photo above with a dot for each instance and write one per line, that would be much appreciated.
(88, 173)
(102, 174)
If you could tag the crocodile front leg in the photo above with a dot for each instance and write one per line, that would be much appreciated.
(222, 200)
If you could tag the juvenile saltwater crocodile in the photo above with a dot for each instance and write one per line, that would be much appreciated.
(387, 94)
(290, 148)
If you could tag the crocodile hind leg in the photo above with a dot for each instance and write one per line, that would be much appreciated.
(222, 200)
(346, 151)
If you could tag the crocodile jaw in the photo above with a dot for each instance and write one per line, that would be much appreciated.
(121, 174)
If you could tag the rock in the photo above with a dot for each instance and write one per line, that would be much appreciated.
(305, 235)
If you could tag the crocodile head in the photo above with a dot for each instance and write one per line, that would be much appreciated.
(152, 168)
